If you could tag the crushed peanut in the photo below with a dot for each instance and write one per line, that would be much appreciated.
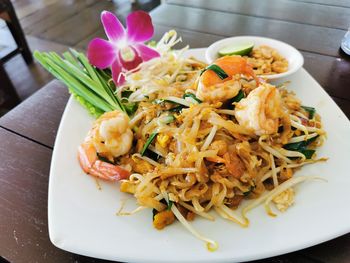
(267, 61)
(163, 140)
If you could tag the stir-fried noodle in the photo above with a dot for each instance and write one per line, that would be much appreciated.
(198, 142)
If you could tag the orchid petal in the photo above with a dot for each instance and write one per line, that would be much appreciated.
(101, 53)
(139, 27)
(129, 65)
(118, 78)
(146, 52)
(113, 28)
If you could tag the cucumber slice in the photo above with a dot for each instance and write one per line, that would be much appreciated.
(242, 49)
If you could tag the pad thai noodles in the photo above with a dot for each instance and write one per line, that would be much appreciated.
(202, 138)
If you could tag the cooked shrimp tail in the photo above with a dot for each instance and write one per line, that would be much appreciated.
(110, 138)
(91, 165)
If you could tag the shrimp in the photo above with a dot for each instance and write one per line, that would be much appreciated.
(212, 88)
(110, 137)
(261, 110)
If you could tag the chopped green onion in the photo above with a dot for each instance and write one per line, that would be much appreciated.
(161, 101)
(148, 142)
(301, 147)
(192, 96)
(219, 71)
(251, 189)
(229, 104)
(308, 153)
(310, 110)
(296, 146)
(177, 108)
(238, 97)
(152, 155)
(168, 119)
(158, 101)
(170, 204)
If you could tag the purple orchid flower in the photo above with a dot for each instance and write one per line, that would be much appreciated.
(125, 49)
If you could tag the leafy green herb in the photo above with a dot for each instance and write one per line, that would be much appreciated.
(251, 189)
(191, 95)
(296, 146)
(219, 71)
(302, 147)
(158, 101)
(177, 109)
(152, 155)
(308, 153)
(229, 103)
(161, 101)
(238, 97)
(168, 119)
(170, 204)
(310, 110)
(148, 142)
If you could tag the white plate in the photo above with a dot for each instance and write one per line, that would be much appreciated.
(294, 57)
(82, 219)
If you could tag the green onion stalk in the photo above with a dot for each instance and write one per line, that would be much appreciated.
(90, 86)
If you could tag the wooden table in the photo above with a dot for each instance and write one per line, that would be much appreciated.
(27, 133)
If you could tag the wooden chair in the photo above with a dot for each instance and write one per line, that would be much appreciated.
(8, 14)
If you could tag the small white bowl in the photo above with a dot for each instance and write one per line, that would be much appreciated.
(294, 57)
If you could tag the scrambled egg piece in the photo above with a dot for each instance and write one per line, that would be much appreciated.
(161, 82)
(127, 187)
(162, 219)
(141, 166)
(284, 199)
(163, 140)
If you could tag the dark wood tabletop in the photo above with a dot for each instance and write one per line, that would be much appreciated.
(27, 133)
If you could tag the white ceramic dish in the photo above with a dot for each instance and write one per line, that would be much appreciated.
(294, 57)
(82, 219)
